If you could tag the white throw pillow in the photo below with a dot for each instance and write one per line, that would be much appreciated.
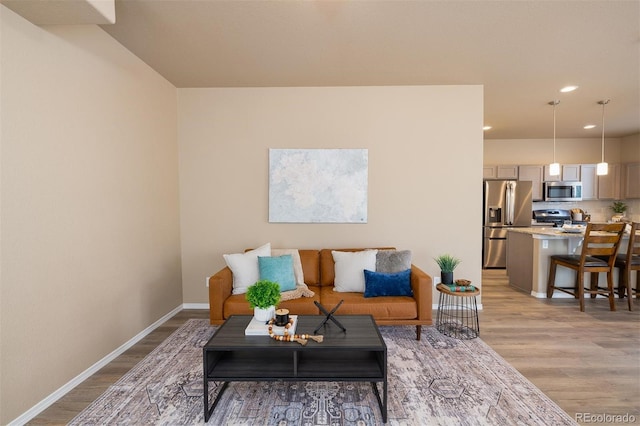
(297, 262)
(244, 267)
(349, 268)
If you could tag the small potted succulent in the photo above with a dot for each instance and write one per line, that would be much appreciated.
(618, 208)
(447, 264)
(263, 297)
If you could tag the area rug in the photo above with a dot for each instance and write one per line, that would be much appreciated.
(435, 381)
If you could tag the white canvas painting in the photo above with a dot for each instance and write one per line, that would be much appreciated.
(318, 185)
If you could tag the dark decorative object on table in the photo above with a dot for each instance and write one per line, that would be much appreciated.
(329, 316)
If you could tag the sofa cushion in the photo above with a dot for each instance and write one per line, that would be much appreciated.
(383, 284)
(327, 269)
(297, 262)
(393, 260)
(278, 269)
(381, 308)
(349, 269)
(244, 267)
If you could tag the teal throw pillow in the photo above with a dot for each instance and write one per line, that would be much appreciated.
(278, 269)
(387, 284)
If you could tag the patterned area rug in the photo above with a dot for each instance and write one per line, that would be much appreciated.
(435, 381)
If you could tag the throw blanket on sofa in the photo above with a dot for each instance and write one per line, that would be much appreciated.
(301, 290)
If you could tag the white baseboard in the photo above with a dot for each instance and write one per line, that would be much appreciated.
(195, 306)
(49, 400)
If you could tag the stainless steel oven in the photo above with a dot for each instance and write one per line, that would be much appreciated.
(562, 191)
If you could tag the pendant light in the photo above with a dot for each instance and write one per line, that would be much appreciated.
(554, 168)
(602, 168)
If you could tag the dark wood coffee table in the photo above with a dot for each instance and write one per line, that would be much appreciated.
(357, 355)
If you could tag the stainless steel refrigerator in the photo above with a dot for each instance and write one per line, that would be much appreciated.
(507, 204)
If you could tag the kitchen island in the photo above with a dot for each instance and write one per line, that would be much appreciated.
(528, 252)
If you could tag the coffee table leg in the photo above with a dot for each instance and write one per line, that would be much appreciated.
(208, 411)
(382, 401)
(384, 412)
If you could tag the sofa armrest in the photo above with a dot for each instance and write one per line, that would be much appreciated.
(423, 293)
(220, 286)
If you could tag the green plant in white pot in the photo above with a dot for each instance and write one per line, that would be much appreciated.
(618, 208)
(263, 297)
(447, 264)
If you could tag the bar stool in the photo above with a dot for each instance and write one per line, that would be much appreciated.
(602, 240)
(630, 262)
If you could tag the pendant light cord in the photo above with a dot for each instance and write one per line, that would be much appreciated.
(554, 103)
(603, 104)
(554, 130)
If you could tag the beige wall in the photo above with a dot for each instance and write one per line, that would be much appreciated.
(425, 170)
(90, 247)
(540, 151)
(630, 149)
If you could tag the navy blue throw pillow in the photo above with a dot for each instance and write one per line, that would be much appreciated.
(387, 284)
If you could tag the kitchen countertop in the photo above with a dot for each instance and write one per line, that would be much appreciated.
(544, 232)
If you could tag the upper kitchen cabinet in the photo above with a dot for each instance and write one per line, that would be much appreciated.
(533, 174)
(489, 172)
(609, 184)
(548, 177)
(569, 173)
(589, 181)
(632, 180)
(507, 172)
(500, 172)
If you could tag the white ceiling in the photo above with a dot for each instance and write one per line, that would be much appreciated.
(522, 51)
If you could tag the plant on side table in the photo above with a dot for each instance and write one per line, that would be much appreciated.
(263, 297)
(447, 264)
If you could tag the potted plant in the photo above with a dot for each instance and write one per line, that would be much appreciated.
(447, 264)
(618, 207)
(263, 296)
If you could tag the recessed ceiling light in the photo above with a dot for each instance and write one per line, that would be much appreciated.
(486, 128)
(590, 126)
(568, 89)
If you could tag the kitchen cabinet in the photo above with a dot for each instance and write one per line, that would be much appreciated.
(571, 172)
(533, 174)
(507, 172)
(489, 172)
(609, 184)
(568, 173)
(632, 180)
(548, 177)
(589, 182)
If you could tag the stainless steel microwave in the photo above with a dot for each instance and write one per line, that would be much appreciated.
(562, 191)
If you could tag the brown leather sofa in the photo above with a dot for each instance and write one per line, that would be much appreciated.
(319, 274)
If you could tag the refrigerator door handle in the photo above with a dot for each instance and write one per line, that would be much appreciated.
(509, 204)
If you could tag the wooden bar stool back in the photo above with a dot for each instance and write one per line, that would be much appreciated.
(627, 262)
(602, 240)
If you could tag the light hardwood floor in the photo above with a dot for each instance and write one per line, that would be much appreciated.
(586, 362)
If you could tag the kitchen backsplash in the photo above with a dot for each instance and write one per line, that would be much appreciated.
(598, 209)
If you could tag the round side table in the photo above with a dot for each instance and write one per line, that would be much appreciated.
(457, 313)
